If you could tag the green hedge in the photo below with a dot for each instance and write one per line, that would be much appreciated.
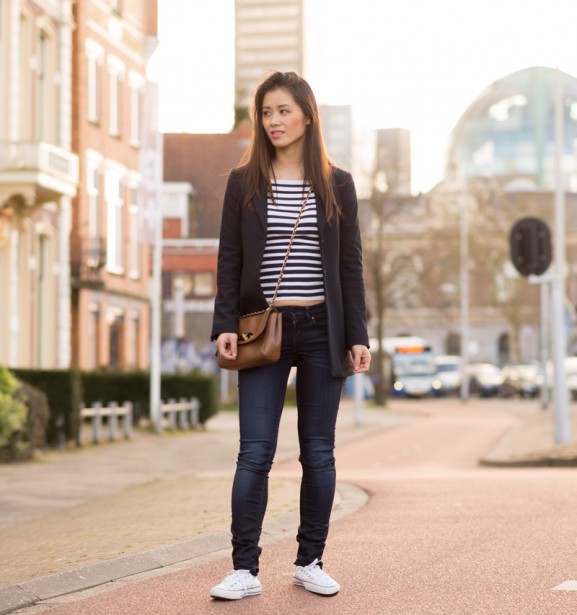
(135, 387)
(120, 387)
(66, 390)
(202, 387)
(63, 389)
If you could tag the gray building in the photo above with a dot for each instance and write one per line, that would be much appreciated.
(500, 168)
(338, 133)
(393, 158)
(268, 37)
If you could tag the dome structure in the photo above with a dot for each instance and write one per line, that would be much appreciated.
(508, 132)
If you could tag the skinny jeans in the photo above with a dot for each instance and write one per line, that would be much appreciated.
(261, 399)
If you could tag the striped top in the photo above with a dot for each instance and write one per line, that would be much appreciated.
(303, 275)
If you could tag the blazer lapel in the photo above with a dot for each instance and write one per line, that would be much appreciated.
(260, 203)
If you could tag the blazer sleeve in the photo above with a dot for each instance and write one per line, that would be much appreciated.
(351, 264)
(229, 263)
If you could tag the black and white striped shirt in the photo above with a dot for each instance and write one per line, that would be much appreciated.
(303, 276)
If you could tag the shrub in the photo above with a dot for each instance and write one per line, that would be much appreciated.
(38, 416)
(12, 415)
(8, 382)
(12, 418)
(63, 389)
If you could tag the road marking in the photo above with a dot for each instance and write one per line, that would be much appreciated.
(567, 586)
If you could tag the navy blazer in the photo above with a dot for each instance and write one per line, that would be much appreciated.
(242, 243)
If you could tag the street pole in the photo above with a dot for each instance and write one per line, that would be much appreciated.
(464, 296)
(155, 326)
(545, 326)
(359, 394)
(560, 401)
(151, 152)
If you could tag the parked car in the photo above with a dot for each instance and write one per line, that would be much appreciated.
(485, 379)
(570, 376)
(449, 373)
(521, 379)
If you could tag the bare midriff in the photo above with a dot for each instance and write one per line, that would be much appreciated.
(297, 302)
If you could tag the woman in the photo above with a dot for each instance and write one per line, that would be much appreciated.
(322, 301)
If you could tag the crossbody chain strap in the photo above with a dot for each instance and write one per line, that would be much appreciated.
(303, 205)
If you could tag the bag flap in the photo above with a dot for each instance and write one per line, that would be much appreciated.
(252, 326)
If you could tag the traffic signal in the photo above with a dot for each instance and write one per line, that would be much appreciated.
(531, 251)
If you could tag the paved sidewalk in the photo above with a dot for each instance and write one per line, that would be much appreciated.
(531, 443)
(81, 518)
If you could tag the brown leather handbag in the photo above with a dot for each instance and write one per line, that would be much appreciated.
(260, 333)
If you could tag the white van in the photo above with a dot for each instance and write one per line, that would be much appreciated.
(449, 373)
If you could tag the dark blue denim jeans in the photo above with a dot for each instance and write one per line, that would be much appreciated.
(261, 398)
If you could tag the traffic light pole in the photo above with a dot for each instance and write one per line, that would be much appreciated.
(560, 395)
(464, 297)
(545, 294)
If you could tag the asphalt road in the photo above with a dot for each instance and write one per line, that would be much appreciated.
(438, 535)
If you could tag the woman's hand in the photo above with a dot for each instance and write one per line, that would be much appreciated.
(360, 358)
(226, 345)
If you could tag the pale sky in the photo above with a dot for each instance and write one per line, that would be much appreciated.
(415, 64)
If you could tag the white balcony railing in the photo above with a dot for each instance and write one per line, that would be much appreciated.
(48, 167)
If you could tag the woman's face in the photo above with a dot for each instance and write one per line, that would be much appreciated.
(283, 120)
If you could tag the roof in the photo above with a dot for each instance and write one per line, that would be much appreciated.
(204, 160)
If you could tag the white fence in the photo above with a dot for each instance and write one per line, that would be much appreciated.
(112, 414)
(105, 420)
(181, 414)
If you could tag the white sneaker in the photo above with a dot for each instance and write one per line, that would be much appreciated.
(237, 585)
(314, 579)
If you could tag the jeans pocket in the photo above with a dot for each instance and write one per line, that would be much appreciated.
(318, 319)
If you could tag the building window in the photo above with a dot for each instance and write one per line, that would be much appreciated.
(115, 79)
(134, 342)
(114, 103)
(94, 337)
(115, 231)
(44, 83)
(191, 284)
(136, 85)
(203, 284)
(94, 58)
(93, 192)
(134, 255)
(116, 334)
(25, 111)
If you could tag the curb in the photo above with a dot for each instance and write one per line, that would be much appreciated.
(545, 461)
(29, 593)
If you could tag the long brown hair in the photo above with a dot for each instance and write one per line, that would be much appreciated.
(257, 162)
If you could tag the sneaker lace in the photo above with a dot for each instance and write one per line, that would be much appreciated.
(315, 571)
(236, 577)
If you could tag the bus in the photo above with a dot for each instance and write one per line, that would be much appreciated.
(410, 366)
